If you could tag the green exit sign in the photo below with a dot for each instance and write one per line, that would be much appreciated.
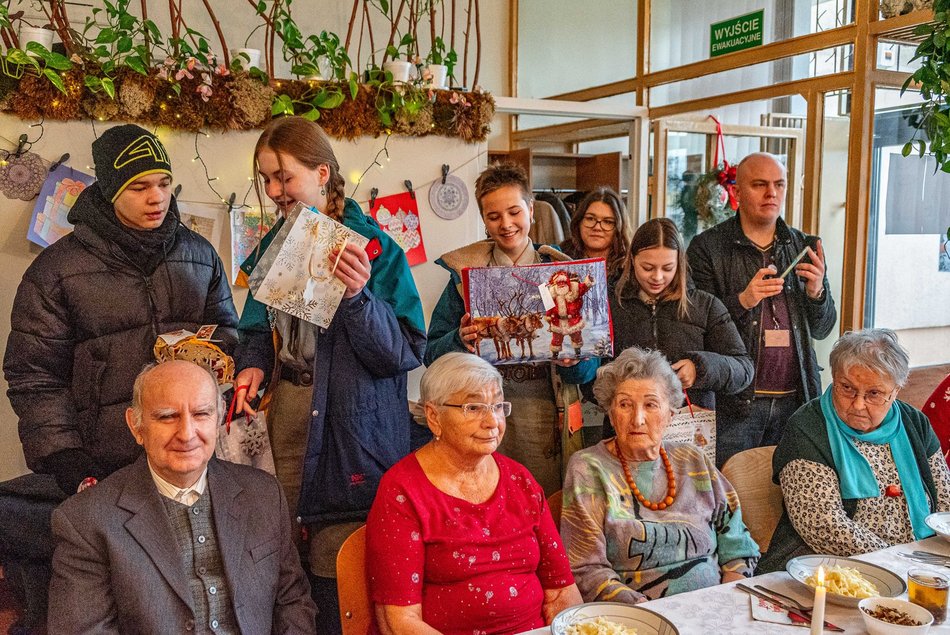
(736, 34)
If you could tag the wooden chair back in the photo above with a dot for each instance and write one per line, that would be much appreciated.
(750, 473)
(356, 610)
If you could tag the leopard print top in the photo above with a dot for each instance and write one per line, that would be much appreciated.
(813, 502)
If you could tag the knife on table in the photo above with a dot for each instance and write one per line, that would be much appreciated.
(828, 626)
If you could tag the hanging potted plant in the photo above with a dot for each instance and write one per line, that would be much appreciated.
(439, 65)
(399, 68)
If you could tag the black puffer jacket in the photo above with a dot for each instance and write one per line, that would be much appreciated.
(84, 323)
(707, 337)
(722, 261)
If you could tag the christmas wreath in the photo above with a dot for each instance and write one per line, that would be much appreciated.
(716, 189)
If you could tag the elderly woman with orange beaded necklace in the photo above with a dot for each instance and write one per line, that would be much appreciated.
(644, 519)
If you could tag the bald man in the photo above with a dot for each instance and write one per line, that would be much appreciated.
(740, 261)
(178, 541)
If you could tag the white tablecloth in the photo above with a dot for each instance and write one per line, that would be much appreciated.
(724, 609)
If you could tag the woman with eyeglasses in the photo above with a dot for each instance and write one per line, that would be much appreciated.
(599, 230)
(859, 469)
(504, 199)
(460, 536)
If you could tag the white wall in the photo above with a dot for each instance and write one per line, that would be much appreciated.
(565, 45)
(228, 156)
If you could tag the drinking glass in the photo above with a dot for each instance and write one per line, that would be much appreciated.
(929, 589)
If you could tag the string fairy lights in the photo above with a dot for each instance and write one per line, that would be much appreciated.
(383, 151)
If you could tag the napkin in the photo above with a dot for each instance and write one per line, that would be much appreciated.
(764, 611)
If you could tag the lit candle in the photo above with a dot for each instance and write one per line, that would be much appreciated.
(818, 610)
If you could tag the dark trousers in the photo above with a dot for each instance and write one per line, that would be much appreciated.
(323, 592)
(26, 541)
(763, 426)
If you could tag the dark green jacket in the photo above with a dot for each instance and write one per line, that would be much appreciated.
(806, 437)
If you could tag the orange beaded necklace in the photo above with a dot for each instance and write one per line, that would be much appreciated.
(670, 477)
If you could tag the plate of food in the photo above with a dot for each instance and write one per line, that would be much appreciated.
(610, 618)
(848, 581)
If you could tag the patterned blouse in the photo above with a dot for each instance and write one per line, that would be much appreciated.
(621, 551)
(813, 504)
(477, 569)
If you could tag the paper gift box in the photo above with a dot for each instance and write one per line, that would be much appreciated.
(296, 273)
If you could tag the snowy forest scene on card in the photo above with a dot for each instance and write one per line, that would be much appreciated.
(539, 313)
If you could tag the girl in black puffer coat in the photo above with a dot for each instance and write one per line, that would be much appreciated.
(653, 306)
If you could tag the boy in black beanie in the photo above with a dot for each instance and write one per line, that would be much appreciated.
(85, 319)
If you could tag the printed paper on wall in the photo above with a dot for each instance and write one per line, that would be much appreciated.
(48, 223)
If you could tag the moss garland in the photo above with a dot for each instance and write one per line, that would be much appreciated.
(239, 102)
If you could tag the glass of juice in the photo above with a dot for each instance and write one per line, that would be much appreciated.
(929, 589)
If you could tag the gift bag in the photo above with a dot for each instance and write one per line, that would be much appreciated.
(245, 441)
(188, 346)
(296, 274)
(694, 425)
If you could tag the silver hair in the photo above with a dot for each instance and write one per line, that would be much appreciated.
(138, 388)
(877, 350)
(456, 372)
(637, 363)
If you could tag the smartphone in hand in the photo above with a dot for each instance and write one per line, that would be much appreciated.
(795, 261)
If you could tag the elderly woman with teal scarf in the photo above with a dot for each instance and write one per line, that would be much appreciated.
(859, 469)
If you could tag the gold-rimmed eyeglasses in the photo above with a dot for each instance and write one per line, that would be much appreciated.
(478, 410)
(873, 397)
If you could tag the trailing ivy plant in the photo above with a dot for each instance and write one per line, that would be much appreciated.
(114, 38)
(43, 62)
(933, 79)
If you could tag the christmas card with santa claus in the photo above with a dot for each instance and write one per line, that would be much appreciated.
(540, 313)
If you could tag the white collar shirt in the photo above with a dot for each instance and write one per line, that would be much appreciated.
(186, 496)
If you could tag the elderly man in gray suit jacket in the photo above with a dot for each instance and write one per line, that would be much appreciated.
(178, 541)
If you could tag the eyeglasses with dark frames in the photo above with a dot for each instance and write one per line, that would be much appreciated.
(590, 222)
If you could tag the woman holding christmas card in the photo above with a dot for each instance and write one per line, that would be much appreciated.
(507, 208)
(336, 397)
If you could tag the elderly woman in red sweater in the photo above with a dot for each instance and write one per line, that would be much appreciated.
(460, 538)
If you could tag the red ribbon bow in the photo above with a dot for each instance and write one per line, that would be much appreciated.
(726, 176)
(73, 187)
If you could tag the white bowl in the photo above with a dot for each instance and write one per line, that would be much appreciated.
(645, 621)
(888, 583)
(940, 523)
(875, 626)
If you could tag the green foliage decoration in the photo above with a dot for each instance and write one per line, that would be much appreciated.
(933, 80)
